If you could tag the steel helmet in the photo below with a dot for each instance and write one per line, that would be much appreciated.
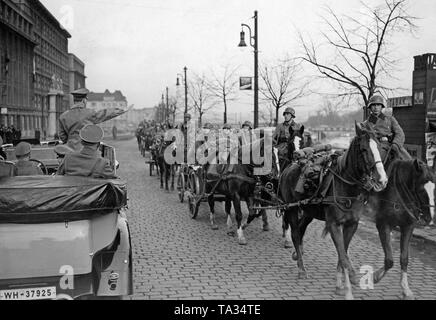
(247, 124)
(377, 99)
(291, 111)
(208, 126)
(22, 149)
(227, 126)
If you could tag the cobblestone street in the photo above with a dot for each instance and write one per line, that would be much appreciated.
(176, 257)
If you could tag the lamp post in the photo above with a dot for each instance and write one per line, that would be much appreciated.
(186, 91)
(185, 122)
(254, 43)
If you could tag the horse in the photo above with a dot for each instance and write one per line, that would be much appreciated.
(165, 169)
(407, 198)
(360, 168)
(237, 183)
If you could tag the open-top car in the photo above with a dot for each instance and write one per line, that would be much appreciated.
(64, 237)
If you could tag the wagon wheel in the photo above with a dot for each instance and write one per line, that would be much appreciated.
(195, 198)
(181, 186)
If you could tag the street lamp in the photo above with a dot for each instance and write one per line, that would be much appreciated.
(185, 122)
(186, 90)
(255, 45)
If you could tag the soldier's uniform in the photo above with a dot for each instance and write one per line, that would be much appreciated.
(71, 121)
(26, 167)
(282, 135)
(388, 131)
(87, 162)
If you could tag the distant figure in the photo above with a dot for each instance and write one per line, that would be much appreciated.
(88, 162)
(114, 132)
(3, 156)
(24, 165)
(71, 121)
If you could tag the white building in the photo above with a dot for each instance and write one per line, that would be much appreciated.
(108, 100)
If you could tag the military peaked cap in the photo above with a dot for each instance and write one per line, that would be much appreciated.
(91, 133)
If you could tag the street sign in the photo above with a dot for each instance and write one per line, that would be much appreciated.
(246, 83)
(4, 111)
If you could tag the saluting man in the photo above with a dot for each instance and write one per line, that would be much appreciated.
(88, 162)
(387, 128)
(71, 121)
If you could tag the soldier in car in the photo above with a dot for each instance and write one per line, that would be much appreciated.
(71, 121)
(88, 162)
(24, 166)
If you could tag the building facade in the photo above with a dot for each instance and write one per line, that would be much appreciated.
(34, 66)
(51, 65)
(16, 66)
(108, 100)
(77, 78)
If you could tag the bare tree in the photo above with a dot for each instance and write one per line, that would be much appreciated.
(223, 87)
(201, 97)
(267, 116)
(282, 85)
(362, 53)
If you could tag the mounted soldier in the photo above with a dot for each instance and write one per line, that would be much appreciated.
(72, 121)
(387, 130)
(282, 136)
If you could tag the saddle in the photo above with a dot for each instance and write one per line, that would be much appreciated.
(312, 164)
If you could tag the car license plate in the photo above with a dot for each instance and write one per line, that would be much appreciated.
(29, 294)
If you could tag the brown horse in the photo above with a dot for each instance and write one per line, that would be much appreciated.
(360, 168)
(407, 198)
(166, 170)
(237, 183)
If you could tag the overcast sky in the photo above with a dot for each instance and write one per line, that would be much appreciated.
(139, 46)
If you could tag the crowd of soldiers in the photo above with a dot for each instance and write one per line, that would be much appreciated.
(386, 128)
(9, 134)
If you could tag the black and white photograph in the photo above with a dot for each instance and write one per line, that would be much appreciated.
(217, 156)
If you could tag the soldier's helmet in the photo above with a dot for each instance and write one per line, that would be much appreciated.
(377, 99)
(247, 124)
(82, 92)
(92, 134)
(208, 126)
(227, 126)
(188, 116)
(22, 149)
(290, 111)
